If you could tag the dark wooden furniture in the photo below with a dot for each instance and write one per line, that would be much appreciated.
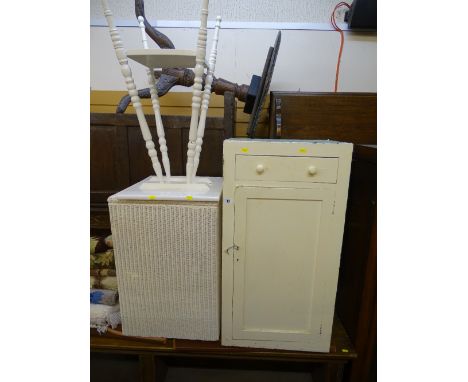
(349, 117)
(151, 358)
(119, 157)
(356, 300)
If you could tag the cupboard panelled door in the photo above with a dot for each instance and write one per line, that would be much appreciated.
(284, 206)
(280, 266)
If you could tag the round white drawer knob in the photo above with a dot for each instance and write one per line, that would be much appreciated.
(312, 170)
(260, 168)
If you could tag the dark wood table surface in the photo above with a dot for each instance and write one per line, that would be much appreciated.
(153, 353)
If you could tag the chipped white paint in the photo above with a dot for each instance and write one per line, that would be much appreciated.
(141, 23)
(159, 124)
(206, 97)
(197, 87)
(131, 87)
(155, 102)
(195, 133)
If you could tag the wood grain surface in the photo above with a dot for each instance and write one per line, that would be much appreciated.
(118, 156)
(347, 117)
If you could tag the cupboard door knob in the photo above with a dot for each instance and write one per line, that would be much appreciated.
(312, 170)
(260, 168)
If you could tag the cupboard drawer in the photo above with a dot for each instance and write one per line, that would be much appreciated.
(286, 169)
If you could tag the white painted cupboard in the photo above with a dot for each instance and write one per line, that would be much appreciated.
(284, 206)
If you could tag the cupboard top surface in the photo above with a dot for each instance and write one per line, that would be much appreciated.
(324, 148)
(310, 141)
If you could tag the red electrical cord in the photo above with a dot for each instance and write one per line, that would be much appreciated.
(338, 29)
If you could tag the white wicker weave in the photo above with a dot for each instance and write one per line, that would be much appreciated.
(167, 256)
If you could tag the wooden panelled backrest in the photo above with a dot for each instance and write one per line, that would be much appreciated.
(180, 103)
(119, 157)
(348, 117)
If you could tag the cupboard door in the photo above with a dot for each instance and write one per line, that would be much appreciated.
(282, 236)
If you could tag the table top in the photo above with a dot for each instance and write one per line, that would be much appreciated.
(163, 58)
(341, 347)
(203, 189)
